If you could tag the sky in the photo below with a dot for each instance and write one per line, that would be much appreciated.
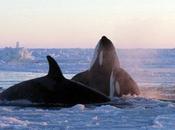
(81, 23)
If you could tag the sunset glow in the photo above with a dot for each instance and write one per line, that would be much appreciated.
(81, 23)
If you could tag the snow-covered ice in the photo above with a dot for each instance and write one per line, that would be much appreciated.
(153, 69)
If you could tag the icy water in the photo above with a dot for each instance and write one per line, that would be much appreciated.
(153, 69)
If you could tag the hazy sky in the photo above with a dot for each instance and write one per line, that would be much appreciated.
(81, 23)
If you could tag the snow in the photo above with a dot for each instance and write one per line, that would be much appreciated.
(139, 115)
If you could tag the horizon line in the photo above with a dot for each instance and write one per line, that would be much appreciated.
(91, 48)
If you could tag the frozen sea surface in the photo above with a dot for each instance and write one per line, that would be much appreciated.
(140, 114)
(153, 69)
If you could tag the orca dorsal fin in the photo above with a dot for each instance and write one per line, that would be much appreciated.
(54, 69)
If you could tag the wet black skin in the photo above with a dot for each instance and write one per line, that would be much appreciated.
(98, 76)
(53, 88)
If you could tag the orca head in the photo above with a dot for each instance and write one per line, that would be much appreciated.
(105, 53)
(106, 43)
(54, 69)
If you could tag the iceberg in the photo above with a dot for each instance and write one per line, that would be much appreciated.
(17, 54)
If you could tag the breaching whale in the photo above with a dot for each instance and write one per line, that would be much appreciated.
(53, 88)
(105, 73)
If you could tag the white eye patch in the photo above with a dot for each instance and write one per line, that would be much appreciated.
(111, 92)
(114, 86)
(117, 87)
(101, 58)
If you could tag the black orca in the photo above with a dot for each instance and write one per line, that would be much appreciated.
(53, 88)
(105, 73)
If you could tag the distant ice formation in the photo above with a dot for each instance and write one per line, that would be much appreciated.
(10, 54)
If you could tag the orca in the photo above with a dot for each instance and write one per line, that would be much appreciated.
(53, 88)
(105, 73)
